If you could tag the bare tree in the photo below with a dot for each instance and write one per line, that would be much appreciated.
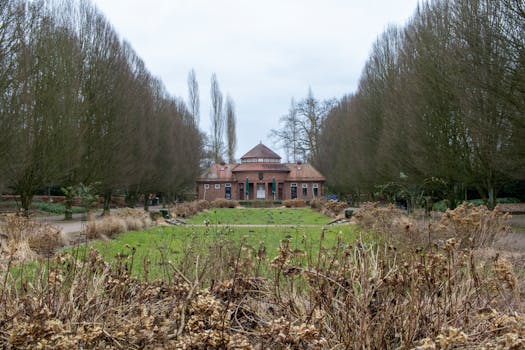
(288, 135)
(311, 115)
(193, 97)
(217, 120)
(301, 127)
(231, 129)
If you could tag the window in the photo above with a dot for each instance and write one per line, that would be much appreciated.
(206, 186)
(217, 186)
(305, 185)
(316, 189)
(305, 190)
(293, 190)
(227, 185)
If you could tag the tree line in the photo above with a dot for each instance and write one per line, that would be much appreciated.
(439, 110)
(78, 106)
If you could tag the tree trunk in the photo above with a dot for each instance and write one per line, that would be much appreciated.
(68, 203)
(146, 201)
(132, 197)
(107, 202)
(451, 199)
(491, 203)
(25, 201)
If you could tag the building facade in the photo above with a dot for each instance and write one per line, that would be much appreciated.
(260, 176)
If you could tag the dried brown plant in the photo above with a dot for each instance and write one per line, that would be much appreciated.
(381, 294)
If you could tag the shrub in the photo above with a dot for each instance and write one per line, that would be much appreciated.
(260, 203)
(442, 204)
(185, 210)
(474, 226)
(201, 205)
(224, 203)
(333, 208)
(471, 226)
(317, 203)
(188, 209)
(57, 208)
(294, 203)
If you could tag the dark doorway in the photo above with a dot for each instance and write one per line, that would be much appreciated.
(294, 191)
(228, 192)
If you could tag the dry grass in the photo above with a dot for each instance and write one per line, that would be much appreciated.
(24, 239)
(383, 295)
(121, 221)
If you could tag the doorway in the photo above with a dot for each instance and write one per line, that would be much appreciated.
(261, 193)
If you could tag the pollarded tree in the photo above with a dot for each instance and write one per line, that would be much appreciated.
(10, 19)
(46, 99)
(487, 90)
(109, 120)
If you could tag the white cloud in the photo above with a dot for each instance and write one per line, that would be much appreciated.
(264, 53)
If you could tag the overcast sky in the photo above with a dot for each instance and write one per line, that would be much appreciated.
(263, 52)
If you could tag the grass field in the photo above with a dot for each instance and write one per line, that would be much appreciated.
(161, 245)
(267, 216)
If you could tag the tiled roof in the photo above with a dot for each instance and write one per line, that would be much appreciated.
(226, 173)
(303, 172)
(218, 172)
(261, 151)
(261, 167)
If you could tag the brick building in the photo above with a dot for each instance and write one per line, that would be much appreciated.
(260, 175)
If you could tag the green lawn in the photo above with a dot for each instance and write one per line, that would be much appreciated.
(163, 246)
(260, 216)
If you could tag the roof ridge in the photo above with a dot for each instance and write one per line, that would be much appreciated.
(261, 151)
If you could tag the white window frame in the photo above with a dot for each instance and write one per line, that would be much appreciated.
(227, 185)
(217, 186)
(315, 185)
(304, 186)
(293, 185)
(206, 186)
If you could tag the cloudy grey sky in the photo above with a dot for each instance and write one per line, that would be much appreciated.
(264, 53)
